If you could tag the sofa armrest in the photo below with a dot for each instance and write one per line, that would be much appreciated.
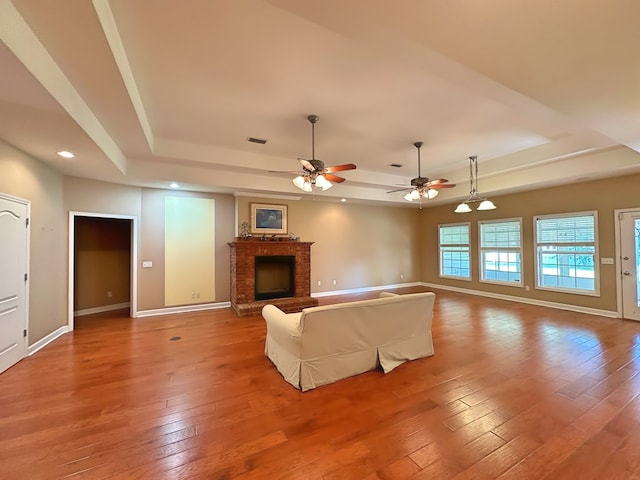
(387, 294)
(281, 323)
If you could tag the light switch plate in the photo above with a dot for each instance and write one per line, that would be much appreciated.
(147, 264)
(606, 261)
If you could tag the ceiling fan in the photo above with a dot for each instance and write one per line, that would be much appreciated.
(421, 187)
(314, 172)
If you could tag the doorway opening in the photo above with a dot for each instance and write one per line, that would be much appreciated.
(85, 263)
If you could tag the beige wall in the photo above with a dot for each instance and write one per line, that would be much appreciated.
(356, 245)
(147, 204)
(99, 198)
(151, 280)
(604, 195)
(25, 177)
(91, 196)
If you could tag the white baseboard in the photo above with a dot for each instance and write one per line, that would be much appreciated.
(511, 298)
(530, 301)
(46, 340)
(104, 308)
(365, 289)
(183, 309)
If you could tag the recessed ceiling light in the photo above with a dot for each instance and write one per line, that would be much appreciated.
(343, 200)
(65, 154)
(174, 185)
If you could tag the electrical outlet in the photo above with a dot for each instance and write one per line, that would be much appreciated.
(526, 288)
(319, 283)
(402, 276)
(109, 294)
(335, 282)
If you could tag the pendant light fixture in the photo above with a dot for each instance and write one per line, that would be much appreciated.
(474, 197)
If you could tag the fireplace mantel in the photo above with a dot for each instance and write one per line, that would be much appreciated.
(243, 253)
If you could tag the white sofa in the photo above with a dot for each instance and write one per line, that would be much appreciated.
(323, 344)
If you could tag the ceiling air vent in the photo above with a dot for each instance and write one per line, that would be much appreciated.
(256, 140)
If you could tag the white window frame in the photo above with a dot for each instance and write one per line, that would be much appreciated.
(457, 245)
(501, 249)
(596, 255)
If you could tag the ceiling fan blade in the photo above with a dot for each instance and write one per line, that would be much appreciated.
(294, 172)
(340, 168)
(442, 185)
(306, 164)
(438, 180)
(400, 189)
(333, 178)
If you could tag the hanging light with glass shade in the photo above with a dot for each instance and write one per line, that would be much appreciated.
(474, 197)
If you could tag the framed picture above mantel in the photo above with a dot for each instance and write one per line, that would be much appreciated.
(268, 219)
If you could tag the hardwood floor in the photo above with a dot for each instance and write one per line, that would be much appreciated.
(513, 392)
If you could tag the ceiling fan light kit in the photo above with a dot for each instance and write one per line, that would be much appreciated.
(474, 197)
(418, 193)
(314, 173)
(302, 183)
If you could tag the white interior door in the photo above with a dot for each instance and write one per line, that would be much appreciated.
(14, 232)
(630, 264)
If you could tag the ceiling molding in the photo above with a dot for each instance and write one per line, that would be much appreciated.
(22, 41)
(110, 28)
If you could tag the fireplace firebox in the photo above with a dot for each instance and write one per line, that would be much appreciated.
(275, 276)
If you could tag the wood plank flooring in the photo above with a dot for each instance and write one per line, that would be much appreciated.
(514, 391)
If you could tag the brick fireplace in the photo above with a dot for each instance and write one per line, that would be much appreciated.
(243, 274)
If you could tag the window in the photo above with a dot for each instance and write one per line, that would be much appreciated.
(501, 251)
(566, 252)
(454, 251)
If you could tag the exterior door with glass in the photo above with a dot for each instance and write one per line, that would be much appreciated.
(630, 264)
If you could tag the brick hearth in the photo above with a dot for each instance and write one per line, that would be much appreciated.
(243, 253)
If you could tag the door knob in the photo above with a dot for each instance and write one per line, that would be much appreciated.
(626, 273)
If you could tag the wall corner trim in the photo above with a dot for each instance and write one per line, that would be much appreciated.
(47, 339)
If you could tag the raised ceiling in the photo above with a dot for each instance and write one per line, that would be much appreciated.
(147, 92)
